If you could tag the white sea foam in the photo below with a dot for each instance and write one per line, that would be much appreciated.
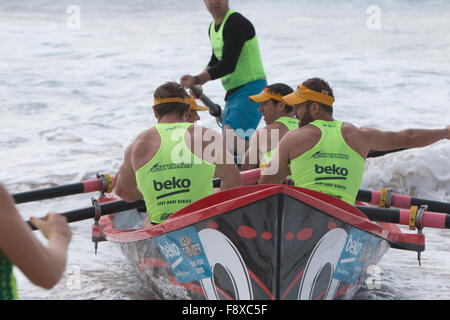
(72, 100)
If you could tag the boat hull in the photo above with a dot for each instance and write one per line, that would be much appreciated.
(256, 242)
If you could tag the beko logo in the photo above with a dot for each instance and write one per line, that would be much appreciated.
(338, 172)
(172, 184)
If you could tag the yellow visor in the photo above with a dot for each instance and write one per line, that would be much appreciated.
(266, 95)
(303, 94)
(195, 106)
(185, 100)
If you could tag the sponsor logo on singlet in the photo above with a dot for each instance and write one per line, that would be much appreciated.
(331, 172)
(319, 155)
(168, 166)
(174, 186)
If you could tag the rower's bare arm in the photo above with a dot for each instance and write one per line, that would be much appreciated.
(229, 175)
(278, 168)
(226, 169)
(125, 184)
(251, 158)
(408, 138)
(42, 265)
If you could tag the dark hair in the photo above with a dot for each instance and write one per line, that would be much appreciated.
(282, 89)
(171, 90)
(320, 85)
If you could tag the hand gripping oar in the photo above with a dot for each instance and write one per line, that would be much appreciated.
(385, 198)
(214, 108)
(105, 209)
(104, 183)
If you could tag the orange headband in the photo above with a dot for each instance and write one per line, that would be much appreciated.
(303, 94)
(185, 100)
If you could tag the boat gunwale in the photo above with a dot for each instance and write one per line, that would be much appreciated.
(324, 203)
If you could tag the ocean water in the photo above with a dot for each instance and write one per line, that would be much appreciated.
(75, 92)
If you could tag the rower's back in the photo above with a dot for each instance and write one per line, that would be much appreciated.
(174, 177)
(329, 164)
(175, 161)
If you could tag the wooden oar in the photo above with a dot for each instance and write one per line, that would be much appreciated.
(104, 184)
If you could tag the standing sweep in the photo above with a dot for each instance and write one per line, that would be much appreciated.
(236, 60)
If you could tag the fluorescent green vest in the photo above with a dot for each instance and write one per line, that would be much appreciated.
(331, 166)
(8, 286)
(249, 66)
(175, 177)
(292, 124)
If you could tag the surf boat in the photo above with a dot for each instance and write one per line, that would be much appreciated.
(257, 242)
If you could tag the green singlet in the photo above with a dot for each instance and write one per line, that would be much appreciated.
(249, 66)
(331, 166)
(292, 124)
(175, 177)
(8, 286)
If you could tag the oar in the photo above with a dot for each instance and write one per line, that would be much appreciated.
(103, 183)
(400, 201)
(105, 209)
(248, 177)
(214, 108)
(403, 216)
(374, 154)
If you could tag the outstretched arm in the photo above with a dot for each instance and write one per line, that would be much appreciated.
(408, 138)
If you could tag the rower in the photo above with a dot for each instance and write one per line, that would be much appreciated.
(171, 165)
(279, 118)
(328, 155)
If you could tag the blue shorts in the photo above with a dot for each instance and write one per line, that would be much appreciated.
(242, 113)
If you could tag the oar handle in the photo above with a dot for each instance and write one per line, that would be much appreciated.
(402, 201)
(402, 216)
(104, 184)
(374, 154)
(105, 209)
(109, 208)
(214, 108)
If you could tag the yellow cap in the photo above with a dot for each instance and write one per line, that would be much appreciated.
(303, 94)
(195, 106)
(266, 95)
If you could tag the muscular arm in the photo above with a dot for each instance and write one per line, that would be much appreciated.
(278, 168)
(125, 180)
(251, 159)
(408, 138)
(226, 169)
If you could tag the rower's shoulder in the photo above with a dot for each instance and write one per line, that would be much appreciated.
(195, 128)
(145, 139)
(349, 130)
(146, 135)
(237, 18)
